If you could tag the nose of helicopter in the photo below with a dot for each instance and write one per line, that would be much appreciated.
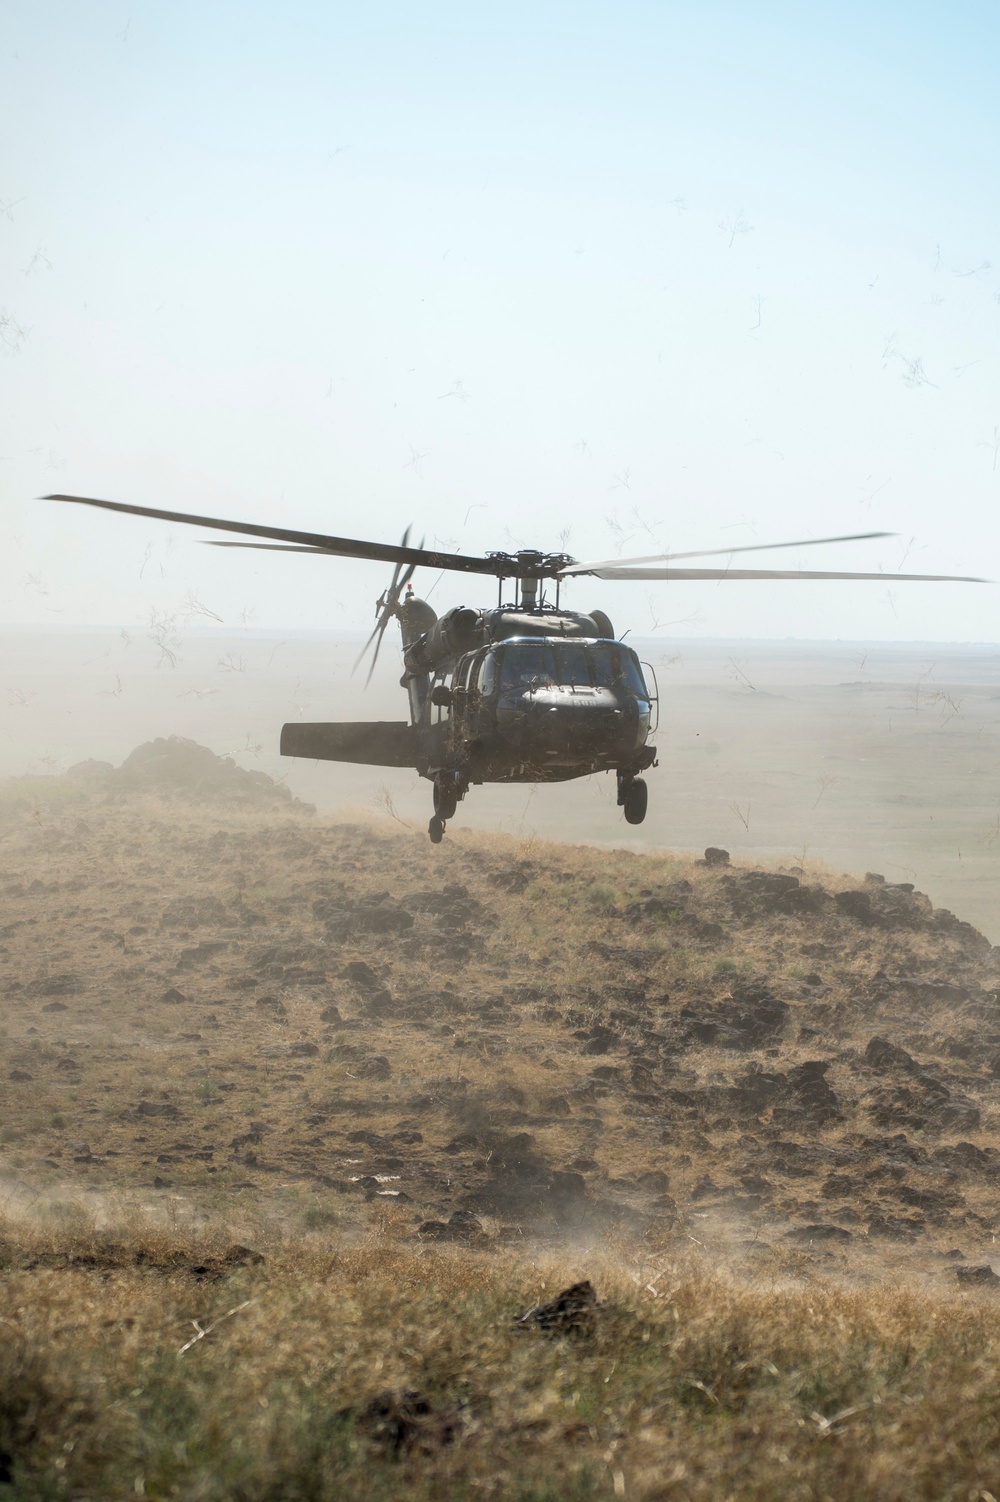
(563, 723)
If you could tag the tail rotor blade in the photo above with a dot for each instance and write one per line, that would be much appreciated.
(386, 609)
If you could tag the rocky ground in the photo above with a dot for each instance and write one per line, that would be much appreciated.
(208, 993)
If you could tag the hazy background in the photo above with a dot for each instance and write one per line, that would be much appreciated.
(619, 277)
(860, 756)
(611, 279)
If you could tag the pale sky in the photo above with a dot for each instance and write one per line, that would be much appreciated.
(607, 278)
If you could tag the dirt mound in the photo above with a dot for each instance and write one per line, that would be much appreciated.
(171, 766)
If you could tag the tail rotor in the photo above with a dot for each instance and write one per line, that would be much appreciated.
(386, 610)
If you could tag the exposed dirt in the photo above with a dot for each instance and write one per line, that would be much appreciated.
(209, 993)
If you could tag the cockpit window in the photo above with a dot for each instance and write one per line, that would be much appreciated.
(615, 665)
(530, 665)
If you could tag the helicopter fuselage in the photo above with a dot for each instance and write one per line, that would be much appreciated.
(534, 709)
(516, 695)
(512, 694)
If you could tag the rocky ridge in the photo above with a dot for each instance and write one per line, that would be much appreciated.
(498, 1041)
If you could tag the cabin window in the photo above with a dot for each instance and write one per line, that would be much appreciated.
(488, 674)
(617, 666)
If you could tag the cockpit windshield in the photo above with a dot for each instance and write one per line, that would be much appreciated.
(530, 665)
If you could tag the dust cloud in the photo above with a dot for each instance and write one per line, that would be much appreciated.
(848, 756)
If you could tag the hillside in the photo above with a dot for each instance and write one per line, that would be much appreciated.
(239, 1038)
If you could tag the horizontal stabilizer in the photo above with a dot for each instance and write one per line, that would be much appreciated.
(377, 743)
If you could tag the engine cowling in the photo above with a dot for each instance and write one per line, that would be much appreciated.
(458, 631)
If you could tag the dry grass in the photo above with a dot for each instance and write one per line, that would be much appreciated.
(694, 1384)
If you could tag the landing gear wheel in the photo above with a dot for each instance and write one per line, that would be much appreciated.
(635, 801)
(436, 830)
(445, 800)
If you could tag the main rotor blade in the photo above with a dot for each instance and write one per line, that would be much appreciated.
(768, 573)
(268, 547)
(346, 547)
(754, 547)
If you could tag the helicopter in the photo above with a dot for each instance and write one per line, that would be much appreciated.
(522, 691)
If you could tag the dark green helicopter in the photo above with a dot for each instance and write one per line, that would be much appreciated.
(524, 691)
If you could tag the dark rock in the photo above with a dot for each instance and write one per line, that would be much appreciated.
(434, 1230)
(656, 1180)
(714, 856)
(55, 985)
(812, 1091)
(157, 1108)
(931, 1201)
(172, 998)
(967, 1156)
(330, 1014)
(200, 954)
(401, 1422)
(372, 1067)
(362, 976)
(818, 1232)
(882, 1055)
(981, 1275)
(569, 1313)
(381, 918)
(757, 1090)
(841, 1186)
(757, 1014)
(856, 905)
(599, 1044)
(56, 1006)
(756, 894)
(515, 878)
(304, 1050)
(895, 1227)
(20, 1076)
(567, 1186)
(195, 912)
(945, 922)
(924, 1102)
(377, 1003)
(463, 1225)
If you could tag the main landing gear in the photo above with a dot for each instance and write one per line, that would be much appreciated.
(633, 797)
(448, 790)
